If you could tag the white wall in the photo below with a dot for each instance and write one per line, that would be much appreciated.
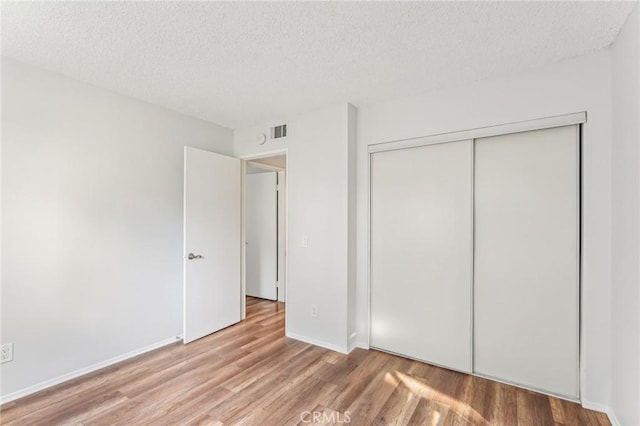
(625, 219)
(92, 222)
(318, 206)
(581, 84)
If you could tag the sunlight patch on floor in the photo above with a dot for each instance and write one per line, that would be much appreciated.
(423, 390)
(435, 418)
(388, 378)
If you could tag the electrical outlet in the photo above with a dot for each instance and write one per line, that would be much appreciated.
(304, 242)
(6, 352)
(314, 310)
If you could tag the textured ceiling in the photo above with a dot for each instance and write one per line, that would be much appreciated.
(235, 63)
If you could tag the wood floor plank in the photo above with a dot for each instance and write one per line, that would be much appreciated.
(398, 408)
(343, 365)
(364, 409)
(533, 409)
(73, 412)
(564, 413)
(428, 413)
(478, 396)
(355, 382)
(321, 415)
(399, 413)
(304, 396)
(160, 401)
(263, 367)
(267, 391)
(250, 373)
(204, 420)
(269, 395)
(502, 406)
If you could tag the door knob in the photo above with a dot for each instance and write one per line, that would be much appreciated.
(192, 256)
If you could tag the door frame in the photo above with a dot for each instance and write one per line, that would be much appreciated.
(246, 160)
(577, 118)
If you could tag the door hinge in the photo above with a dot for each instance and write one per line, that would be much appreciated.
(277, 284)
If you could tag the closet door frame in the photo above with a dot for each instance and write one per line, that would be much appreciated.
(577, 118)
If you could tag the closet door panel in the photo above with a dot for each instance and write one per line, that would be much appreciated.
(421, 242)
(526, 292)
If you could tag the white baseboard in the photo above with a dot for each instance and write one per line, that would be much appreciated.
(362, 345)
(352, 342)
(330, 346)
(612, 418)
(86, 370)
(595, 406)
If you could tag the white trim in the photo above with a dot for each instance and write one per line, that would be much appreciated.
(282, 228)
(482, 132)
(315, 342)
(582, 333)
(286, 237)
(472, 249)
(184, 241)
(265, 154)
(352, 342)
(369, 264)
(595, 406)
(579, 257)
(243, 240)
(612, 417)
(263, 166)
(362, 345)
(86, 370)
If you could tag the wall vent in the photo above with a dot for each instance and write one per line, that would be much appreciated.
(278, 132)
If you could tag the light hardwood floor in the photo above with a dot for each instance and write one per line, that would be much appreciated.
(251, 374)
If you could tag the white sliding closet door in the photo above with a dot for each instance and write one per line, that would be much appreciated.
(526, 259)
(421, 242)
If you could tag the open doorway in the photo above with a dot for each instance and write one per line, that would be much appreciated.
(265, 219)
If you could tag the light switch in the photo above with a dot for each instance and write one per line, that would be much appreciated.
(304, 241)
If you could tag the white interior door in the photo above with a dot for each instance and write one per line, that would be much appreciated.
(262, 235)
(212, 242)
(421, 244)
(526, 259)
